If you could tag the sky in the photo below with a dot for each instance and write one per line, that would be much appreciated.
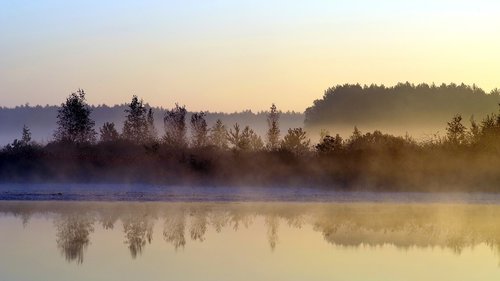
(236, 55)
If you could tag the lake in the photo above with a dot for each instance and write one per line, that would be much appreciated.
(60, 240)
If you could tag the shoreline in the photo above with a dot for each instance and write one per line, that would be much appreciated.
(164, 193)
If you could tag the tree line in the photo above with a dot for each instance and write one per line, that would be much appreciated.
(75, 126)
(405, 106)
(42, 119)
(187, 151)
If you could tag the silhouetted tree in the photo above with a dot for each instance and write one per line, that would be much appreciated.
(254, 141)
(135, 127)
(296, 141)
(377, 141)
(219, 135)
(26, 136)
(490, 128)
(20, 146)
(356, 134)
(108, 132)
(323, 133)
(330, 144)
(199, 130)
(456, 132)
(73, 120)
(273, 132)
(475, 130)
(234, 137)
(175, 126)
(245, 140)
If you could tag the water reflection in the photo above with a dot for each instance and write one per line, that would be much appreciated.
(174, 230)
(454, 227)
(138, 230)
(72, 235)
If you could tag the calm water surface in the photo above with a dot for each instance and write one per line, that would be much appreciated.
(248, 241)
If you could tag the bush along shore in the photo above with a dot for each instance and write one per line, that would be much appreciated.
(189, 152)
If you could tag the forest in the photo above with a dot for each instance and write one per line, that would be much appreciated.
(420, 109)
(186, 151)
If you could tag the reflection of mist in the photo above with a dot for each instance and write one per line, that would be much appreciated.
(72, 236)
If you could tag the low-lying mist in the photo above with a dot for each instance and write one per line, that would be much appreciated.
(195, 150)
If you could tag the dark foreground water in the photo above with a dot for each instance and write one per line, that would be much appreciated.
(49, 240)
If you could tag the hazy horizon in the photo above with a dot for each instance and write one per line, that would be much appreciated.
(278, 103)
(230, 56)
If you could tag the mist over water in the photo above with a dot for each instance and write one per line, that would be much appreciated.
(249, 140)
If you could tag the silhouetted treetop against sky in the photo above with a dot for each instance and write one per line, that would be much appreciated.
(73, 120)
(403, 104)
(419, 110)
(42, 119)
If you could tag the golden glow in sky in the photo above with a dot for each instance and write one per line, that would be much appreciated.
(235, 55)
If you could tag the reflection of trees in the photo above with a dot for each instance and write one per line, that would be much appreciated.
(218, 220)
(198, 226)
(72, 236)
(108, 219)
(407, 226)
(272, 223)
(25, 218)
(454, 227)
(138, 230)
(174, 229)
(237, 218)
